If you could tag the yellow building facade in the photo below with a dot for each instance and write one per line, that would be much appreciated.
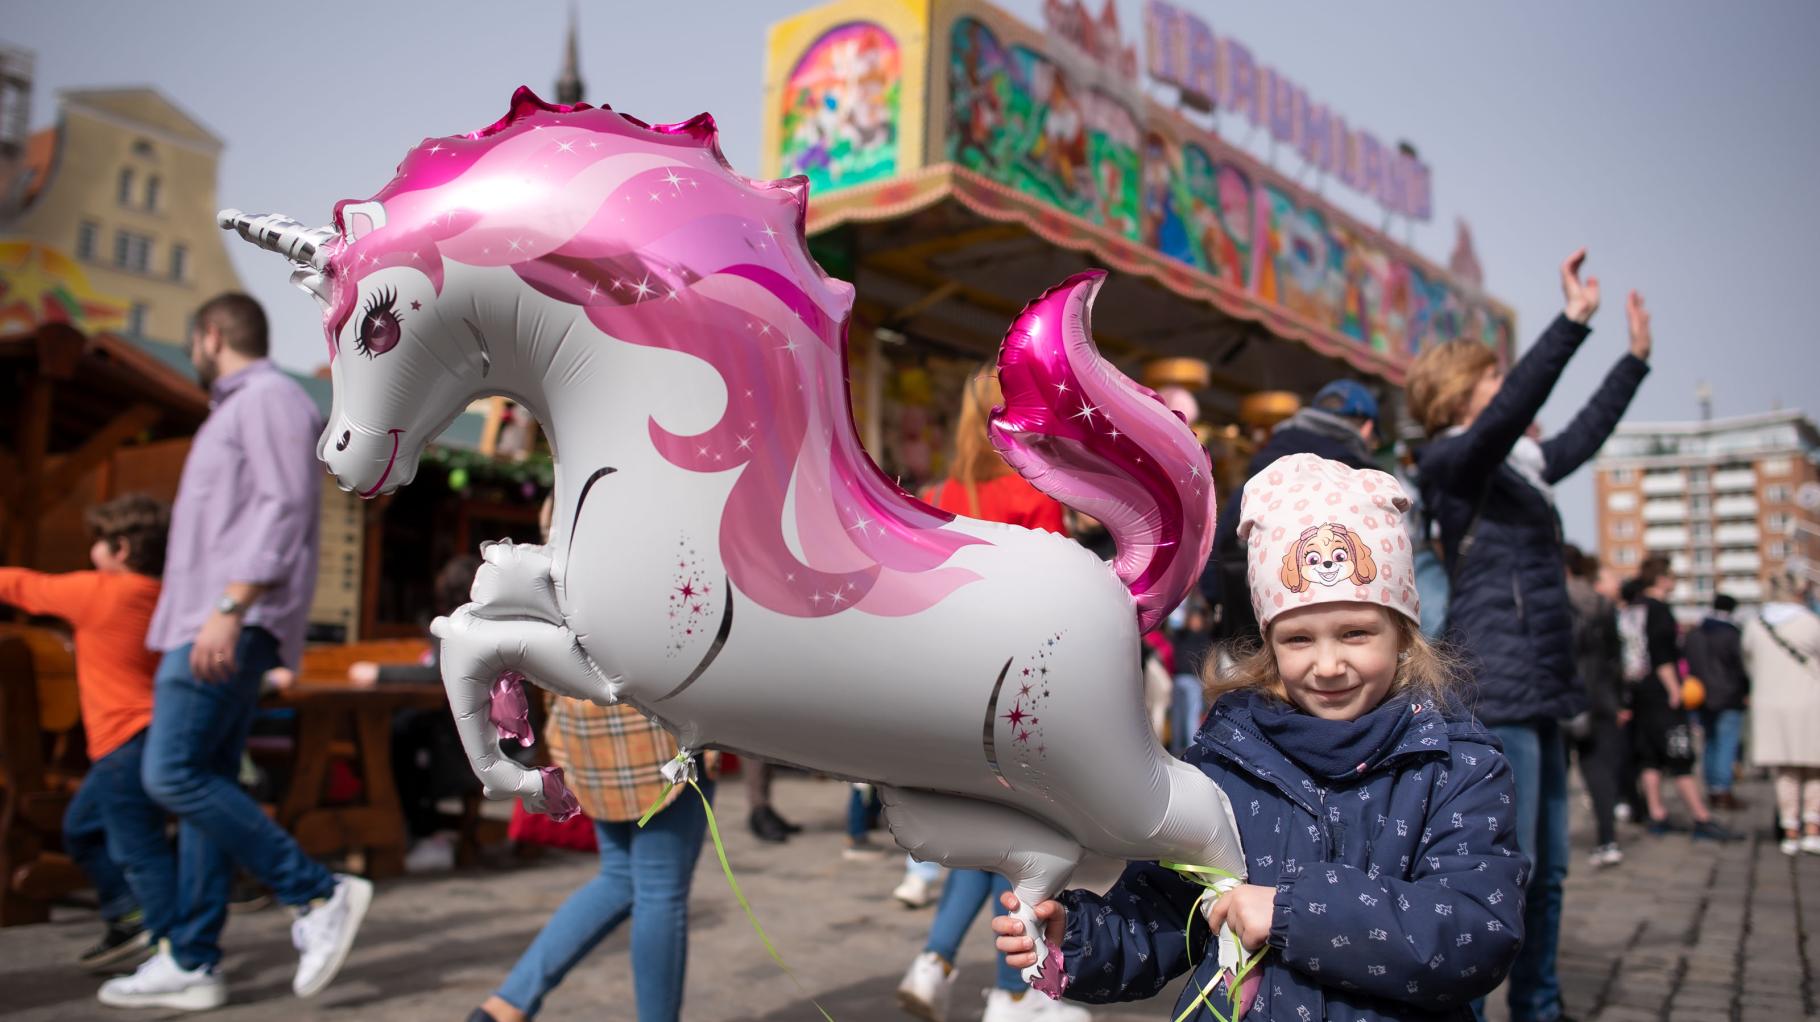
(123, 185)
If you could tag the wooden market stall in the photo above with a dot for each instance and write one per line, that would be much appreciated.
(93, 415)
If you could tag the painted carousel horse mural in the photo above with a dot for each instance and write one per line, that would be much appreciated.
(725, 555)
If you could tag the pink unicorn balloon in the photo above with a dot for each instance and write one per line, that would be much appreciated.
(725, 556)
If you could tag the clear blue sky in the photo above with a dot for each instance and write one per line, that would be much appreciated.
(1676, 138)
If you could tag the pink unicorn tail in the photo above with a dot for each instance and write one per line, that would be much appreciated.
(1086, 434)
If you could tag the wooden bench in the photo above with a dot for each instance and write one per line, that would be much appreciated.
(337, 720)
(41, 763)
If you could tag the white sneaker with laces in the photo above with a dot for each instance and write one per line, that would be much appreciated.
(913, 892)
(325, 933)
(927, 988)
(161, 983)
(1032, 1007)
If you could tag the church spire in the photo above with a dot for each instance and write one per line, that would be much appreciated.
(568, 83)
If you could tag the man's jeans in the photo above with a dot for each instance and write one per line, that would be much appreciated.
(115, 832)
(192, 762)
(645, 874)
(1537, 754)
(1723, 729)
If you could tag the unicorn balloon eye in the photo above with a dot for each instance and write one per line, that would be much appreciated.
(381, 328)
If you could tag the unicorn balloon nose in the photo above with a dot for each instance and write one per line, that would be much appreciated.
(275, 232)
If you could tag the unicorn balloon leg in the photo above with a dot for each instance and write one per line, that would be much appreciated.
(725, 557)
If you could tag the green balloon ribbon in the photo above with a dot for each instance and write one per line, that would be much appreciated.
(1209, 878)
(687, 772)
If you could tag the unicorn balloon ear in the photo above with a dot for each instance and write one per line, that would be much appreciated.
(359, 219)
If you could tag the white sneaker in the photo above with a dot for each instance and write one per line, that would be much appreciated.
(927, 988)
(1606, 855)
(324, 934)
(1790, 846)
(913, 892)
(1032, 1007)
(161, 983)
(433, 854)
(1810, 844)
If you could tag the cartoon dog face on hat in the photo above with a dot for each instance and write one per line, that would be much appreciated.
(1327, 554)
(1317, 531)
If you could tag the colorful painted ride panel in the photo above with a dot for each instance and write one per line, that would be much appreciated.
(1026, 120)
(840, 108)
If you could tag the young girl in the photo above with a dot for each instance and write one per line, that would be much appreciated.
(1384, 877)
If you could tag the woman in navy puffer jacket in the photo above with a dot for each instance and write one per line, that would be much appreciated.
(1490, 487)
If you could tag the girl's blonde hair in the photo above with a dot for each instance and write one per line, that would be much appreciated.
(1424, 670)
(1441, 381)
(975, 460)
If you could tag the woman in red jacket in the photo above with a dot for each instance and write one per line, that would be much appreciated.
(979, 485)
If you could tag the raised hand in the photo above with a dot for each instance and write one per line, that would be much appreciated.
(1640, 340)
(1582, 298)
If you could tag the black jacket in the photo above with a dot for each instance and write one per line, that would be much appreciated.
(1715, 655)
(1310, 431)
(1508, 610)
(1598, 649)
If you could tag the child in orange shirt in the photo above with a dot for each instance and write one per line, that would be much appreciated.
(113, 830)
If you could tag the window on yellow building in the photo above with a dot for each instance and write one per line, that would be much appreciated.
(126, 186)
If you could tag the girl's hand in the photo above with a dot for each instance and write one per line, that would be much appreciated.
(1249, 909)
(1018, 949)
(1582, 299)
(1640, 341)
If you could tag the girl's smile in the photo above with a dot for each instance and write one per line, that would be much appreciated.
(1337, 660)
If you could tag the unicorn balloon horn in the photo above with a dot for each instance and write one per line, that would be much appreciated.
(278, 233)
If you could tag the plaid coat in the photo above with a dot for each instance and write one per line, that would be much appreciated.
(612, 757)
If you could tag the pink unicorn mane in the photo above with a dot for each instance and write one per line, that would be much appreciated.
(650, 232)
(1082, 432)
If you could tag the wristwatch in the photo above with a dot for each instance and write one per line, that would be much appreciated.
(229, 605)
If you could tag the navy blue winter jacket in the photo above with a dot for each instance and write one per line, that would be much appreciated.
(1390, 841)
(1508, 610)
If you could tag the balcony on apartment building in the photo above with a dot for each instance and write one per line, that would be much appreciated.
(1743, 588)
(1663, 484)
(1665, 538)
(1733, 479)
(1736, 534)
(1665, 511)
(1736, 506)
(1739, 561)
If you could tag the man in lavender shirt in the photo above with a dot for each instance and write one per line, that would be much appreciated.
(238, 576)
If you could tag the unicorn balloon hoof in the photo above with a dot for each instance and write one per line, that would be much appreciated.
(725, 556)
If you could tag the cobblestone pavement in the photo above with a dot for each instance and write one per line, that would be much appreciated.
(1679, 931)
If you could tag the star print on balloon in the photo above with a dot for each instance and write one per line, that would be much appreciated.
(689, 606)
(1023, 723)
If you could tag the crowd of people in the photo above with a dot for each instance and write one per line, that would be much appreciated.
(1405, 682)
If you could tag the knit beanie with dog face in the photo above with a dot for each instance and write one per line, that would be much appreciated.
(1317, 531)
